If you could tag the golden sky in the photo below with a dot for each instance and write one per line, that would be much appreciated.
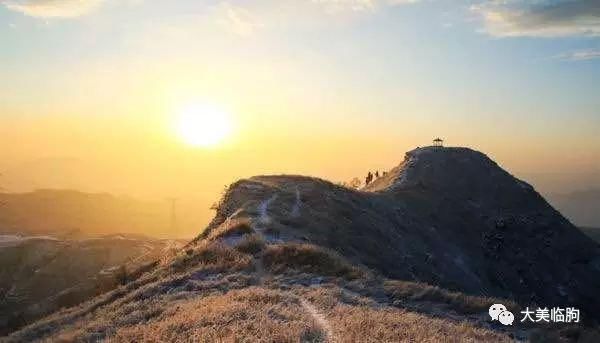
(91, 96)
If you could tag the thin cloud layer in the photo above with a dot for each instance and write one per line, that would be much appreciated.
(236, 13)
(353, 5)
(502, 18)
(52, 8)
(237, 20)
(543, 18)
(360, 5)
(244, 19)
(580, 55)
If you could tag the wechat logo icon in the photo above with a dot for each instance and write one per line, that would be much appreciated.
(500, 313)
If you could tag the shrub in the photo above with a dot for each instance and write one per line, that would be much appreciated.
(251, 244)
(241, 228)
(308, 258)
(236, 227)
(461, 303)
(215, 255)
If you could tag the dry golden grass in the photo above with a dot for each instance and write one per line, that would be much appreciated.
(366, 324)
(249, 315)
(308, 258)
(204, 295)
(459, 302)
(357, 319)
(215, 255)
(263, 315)
(255, 314)
(240, 226)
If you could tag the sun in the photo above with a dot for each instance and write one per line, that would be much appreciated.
(203, 125)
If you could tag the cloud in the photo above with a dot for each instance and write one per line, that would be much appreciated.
(540, 18)
(236, 16)
(52, 8)
(245, 20)
(359, 5)
(352, 5)
(580, 55)
(237, 20)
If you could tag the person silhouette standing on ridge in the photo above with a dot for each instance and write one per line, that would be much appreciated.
(369, 178)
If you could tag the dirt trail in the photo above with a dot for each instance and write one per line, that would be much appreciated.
(263, 210)
(314, 313)
(319, 318)
(296, 209)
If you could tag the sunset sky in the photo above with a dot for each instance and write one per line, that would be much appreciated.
(91, 91)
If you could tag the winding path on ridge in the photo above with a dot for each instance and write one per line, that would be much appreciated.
(261, 223)
(265, 219)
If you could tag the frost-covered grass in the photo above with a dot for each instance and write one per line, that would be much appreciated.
(309, 258)
(214, 293)
(459, 302)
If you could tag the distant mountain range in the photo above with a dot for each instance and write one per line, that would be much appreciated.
(41, 274)
(74, 214)
(580, 207)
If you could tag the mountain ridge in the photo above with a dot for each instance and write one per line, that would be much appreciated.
(324, 262)
(449, 192)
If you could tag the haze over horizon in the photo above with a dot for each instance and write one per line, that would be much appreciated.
(93, 93)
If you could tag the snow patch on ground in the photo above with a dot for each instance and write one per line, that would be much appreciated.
(13, 240)
(296, 208)
(412, 160)
(109, 270)
(263, 209)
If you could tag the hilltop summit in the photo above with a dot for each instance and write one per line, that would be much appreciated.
(445, 216)
(441, 167)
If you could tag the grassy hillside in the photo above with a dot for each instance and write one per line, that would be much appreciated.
(287, 292)
(39, 276)
(218, 293)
